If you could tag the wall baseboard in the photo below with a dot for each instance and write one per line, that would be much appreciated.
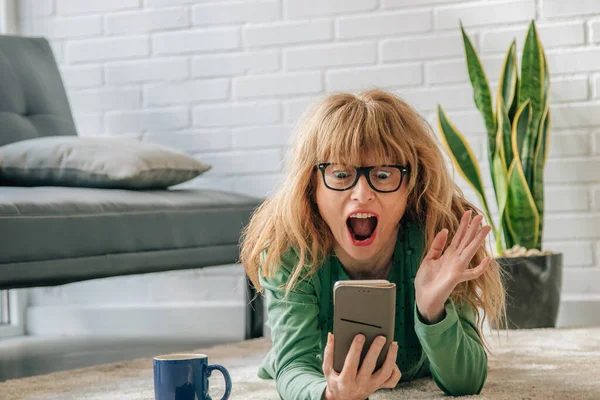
(579, 311)
(206, 303)
(211, 320)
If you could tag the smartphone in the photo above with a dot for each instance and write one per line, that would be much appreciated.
(362, 306)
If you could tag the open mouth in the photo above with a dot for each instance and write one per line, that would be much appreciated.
(361, 228)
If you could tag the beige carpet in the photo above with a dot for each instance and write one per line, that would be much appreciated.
(529, 364)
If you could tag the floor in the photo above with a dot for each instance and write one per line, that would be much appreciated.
(28, 356)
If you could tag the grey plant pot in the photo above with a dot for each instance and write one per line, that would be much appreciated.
(533, 285)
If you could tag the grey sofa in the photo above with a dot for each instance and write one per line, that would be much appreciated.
(56, 235)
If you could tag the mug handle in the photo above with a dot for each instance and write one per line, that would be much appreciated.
(225, 373)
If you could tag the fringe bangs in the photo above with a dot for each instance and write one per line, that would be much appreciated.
(354, 134)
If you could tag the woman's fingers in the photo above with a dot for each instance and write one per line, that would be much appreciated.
(464, 236)
(471, 232)
(476, 272)
(394, 379)
(469, 251)
(370, 361)
(328, 356)
(353, 358)
(462, 227)
(385, 372)
(438, 244)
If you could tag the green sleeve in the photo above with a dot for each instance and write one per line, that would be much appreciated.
(457, 359)
(293, 360)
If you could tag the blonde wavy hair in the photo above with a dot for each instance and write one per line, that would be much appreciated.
(344, 128)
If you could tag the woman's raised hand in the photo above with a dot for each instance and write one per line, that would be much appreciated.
(353, 383)
(441, 270)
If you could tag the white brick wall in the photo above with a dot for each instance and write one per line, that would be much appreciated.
(124, 23)
(86, 101)
(427, 47)
(68, 7)
(36, 8)
(226, 81)
(157, 69)
(366, 77)
(99, 50)
(316, 8)
(332, 55)
(190, 41)
(256, 62)
(277, 85)
(83, 76)
(69, 27)
(239, 114)
(559, 8)
(555, 34)
(237, 12)
(484, 14)
(382, 24)
(186, 92)
(286, 33)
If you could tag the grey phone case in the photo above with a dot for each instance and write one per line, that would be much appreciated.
(367, 307)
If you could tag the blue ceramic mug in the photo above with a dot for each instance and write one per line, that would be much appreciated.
(185, 377)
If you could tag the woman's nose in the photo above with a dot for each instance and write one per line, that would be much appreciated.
(362, 191)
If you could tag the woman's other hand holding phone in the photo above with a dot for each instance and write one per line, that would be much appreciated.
(353, 383)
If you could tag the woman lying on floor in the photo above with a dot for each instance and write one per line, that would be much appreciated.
(367, 195)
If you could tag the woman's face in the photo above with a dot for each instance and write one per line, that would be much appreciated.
(337, 207)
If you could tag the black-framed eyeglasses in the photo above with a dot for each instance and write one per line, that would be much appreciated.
(382, 178)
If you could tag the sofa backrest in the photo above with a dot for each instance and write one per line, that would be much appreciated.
(33, 101)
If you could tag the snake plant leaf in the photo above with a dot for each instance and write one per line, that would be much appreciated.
(499, 166)
(543, 138)
(515, 104)
(481, 89)
(546, 85)
(507, 86)
(501, 190)
(509, 240)
(462, 156)
(509, 70)
(532, 79)
(541, 153)
(520, 127)
(528, 152)
(504, 135)
(502, 195)
(521, 211)
(507, 148)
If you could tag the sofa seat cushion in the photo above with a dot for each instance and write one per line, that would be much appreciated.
(53, 235)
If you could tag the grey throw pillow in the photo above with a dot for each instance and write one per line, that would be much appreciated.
(95, 162)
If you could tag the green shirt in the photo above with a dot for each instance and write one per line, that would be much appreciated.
(450, 350)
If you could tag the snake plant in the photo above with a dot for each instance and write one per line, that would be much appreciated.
(518, 129)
